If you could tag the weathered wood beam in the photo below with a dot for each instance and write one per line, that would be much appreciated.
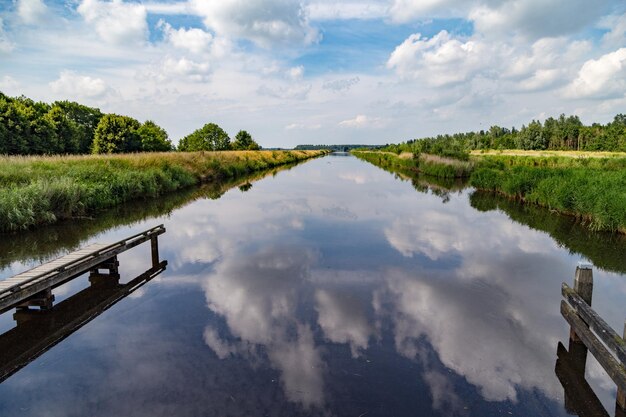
(616, 370)
(620, 402)
(596, 323)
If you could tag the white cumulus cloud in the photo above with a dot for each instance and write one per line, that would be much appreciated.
(535, 18)
(264, 22)
(116, 22)
(183, 67)
(303, 126)
(362, 121)
(440, 60)
(31, 11)
(604, 77)
(74, 85)
(194, 40)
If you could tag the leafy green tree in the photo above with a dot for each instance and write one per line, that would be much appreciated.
(86, 119)
(15, 128)
(243, 141)
(154, 138)
(531, 137)
(117, 134)
(66, 132)
(210, 137)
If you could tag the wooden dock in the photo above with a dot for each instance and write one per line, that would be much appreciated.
(34, 287)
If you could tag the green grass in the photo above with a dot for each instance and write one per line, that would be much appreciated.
(591, 189)
(42, 190)
(43, 243)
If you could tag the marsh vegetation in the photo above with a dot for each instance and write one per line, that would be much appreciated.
(43, 190)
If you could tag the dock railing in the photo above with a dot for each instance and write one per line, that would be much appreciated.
(589, 332)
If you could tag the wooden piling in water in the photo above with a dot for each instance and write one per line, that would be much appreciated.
(620, 403)
(583, 286)
(154, 245)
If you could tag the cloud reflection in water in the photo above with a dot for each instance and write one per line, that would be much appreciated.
(312, 296)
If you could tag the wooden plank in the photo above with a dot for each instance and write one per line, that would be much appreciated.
(597, 323)
(616, 371)
(63, 260)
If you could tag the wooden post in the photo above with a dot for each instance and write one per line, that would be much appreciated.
(583, 285)
(111, 277)
(43, 299)
(620, 404)
(154, 240)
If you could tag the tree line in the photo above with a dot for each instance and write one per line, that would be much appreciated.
(64, 127)
(562, 133)
(340, 148)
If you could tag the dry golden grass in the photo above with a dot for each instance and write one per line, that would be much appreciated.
(570, 154)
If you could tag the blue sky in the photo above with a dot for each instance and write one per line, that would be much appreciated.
(320, 71)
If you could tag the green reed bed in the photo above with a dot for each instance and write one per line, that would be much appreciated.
(43, 190)
(591, 189)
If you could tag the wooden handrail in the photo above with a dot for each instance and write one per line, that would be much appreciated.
(611, 365)
(605, 332)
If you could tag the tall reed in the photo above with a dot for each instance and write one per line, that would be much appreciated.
(42, 190)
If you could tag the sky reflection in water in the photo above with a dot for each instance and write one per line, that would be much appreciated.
(331, 289)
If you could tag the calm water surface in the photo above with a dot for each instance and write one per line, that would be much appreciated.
(331, 289)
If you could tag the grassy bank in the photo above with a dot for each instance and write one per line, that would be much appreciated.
(42, 190)
(433, 165)
(588, 186)
(591, 189)
(43, 243)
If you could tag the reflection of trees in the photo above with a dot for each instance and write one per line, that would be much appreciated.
(46, 242)
(441, 187)
(605, 250)
(245, 187)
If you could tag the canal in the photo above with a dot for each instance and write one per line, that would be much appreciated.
(333, 288)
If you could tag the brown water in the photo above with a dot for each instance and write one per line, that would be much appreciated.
(334, 288)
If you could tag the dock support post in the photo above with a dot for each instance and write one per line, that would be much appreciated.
(154, 243)
(43, 299)
(583, 285)
(620, 404)
(112, 276)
